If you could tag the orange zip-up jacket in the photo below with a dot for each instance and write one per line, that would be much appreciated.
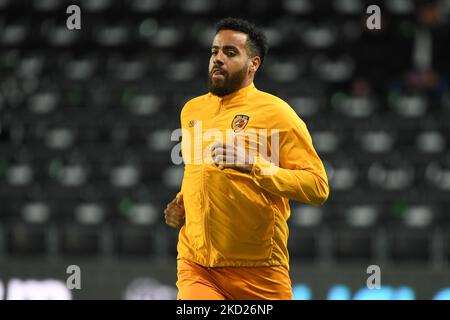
(237, 219)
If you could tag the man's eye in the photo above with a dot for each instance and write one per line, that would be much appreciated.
(231, 53)
(213, 52)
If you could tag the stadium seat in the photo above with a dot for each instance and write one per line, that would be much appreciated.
(25, 239)
(196, 6)
(393, 173)
(112, 35)
(134, 240)
(400, 7)
(354, 107)
(166, 37)
(14, 35)
(80, 240)
(333, 70)
(59, 36)
(43, 102)
(284, 70)
(303, 244)
(408, 245)
(348, 6)
(377, 141)
(305, 228)
(81, 69)
(36, 212)
(354, 244)
(46, 5)
(146, 6)
(437, 173)
(298, 7)
(31, 66)
(96, 6)
(326, 141)
(342, 172)
(19, 174)
(413, 106)
(306, 106)
(319, 36)
(431, 142)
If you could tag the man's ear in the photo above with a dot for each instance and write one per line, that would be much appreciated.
(255, 63)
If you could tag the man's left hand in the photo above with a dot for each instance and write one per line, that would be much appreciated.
(233, 157)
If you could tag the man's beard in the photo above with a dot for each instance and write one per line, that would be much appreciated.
(230, 84)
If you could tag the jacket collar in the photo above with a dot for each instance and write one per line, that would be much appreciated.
(237, 95)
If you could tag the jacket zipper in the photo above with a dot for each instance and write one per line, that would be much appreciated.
(206, 226)
(205, 216)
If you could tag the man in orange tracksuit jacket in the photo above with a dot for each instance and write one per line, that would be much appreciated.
(235, 202)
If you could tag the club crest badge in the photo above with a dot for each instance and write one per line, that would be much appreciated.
(239, 122)
(192, 123)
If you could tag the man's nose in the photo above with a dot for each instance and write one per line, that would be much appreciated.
(218, 59)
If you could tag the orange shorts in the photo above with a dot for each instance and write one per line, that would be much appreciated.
(196, 282)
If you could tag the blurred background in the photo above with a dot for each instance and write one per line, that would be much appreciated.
(86, 117)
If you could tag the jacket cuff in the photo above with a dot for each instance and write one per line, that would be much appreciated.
(262, 167)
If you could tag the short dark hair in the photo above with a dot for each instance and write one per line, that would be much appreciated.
(256, 40)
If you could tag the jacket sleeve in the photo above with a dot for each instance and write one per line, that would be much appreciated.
(299, 174)
(182, 126)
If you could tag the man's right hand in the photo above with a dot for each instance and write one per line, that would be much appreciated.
(174, 212)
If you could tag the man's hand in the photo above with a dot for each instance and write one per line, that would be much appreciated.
(174, 212)
(231, 156)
